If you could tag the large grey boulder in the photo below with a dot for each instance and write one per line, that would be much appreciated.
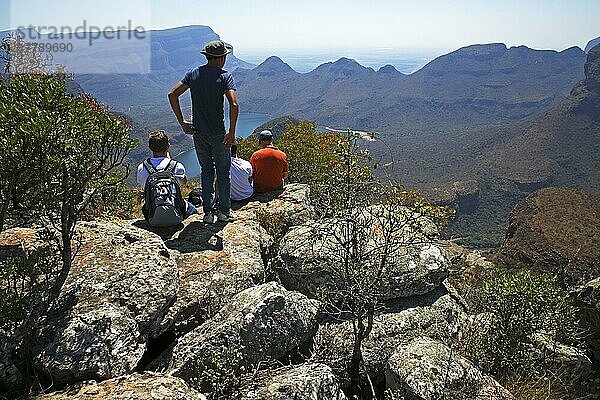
(118, 291)
(261, 323)
(306, 382)
(144, 386)
(208, 279)
(292, 205)
(426, 369)
(311, 254)
(437, 314)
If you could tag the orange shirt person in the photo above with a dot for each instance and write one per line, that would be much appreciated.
(269, 165)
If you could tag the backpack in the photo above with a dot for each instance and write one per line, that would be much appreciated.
(163, 202)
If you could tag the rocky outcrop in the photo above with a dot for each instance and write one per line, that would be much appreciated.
(587, 93)
(573, 360)
(209, 279)
(307, 382)
(190, 302)
(464, 196)
(118, 291)
(15, 242)
(591, 44)
(218, 261)
(145, 386)
(592, 69)
(310, 253)
(425, 369)
(555, 230)
(292, 205)
(261, 323)
(438, 314)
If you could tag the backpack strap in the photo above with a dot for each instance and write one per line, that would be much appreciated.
(149, 167)
(171, 166)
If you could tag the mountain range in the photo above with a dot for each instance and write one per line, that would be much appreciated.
(559, 146)
(474, 85)
(505, 120)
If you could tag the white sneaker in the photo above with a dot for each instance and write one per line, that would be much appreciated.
(208, 218)
(222, 217)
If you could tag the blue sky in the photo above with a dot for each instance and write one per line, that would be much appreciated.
(335, 24)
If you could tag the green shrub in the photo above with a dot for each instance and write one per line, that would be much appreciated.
(332, 163)
(59, 153)
(515, 307)
(114, 199)
(25, 279)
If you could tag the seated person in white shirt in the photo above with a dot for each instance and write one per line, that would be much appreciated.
(159, 145)
(240, 175)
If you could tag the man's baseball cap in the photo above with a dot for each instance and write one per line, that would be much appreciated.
(217, 48)
(265, 135)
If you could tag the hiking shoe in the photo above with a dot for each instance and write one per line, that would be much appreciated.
(208, 218)
(222, 217)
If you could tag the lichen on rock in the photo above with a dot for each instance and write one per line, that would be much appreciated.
(262, 323)
(307, 381)
(309, 253)
(122, 282)
(426, 369)
(139, 386)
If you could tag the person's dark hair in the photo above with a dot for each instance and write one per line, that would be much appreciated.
(234, 148)
(158, 141)
(209, 58)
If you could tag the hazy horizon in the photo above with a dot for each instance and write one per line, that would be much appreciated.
(268, 25)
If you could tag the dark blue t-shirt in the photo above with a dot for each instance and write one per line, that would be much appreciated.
(208, 85)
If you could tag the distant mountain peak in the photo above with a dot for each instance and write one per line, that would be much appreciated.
(487, 48)
(388, 69)
(592, 69)
(346, 61)
(188, 28)
(343, 66)
(274, 64)
(591, 44)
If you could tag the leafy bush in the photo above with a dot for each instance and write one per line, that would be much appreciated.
(515, 307)
(25, 278)
(59, 153)
(311, 154)
(115, 199)
(324, 160)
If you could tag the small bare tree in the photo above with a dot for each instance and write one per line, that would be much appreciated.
(368, 229)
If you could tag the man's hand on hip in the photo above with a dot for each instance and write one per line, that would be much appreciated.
(188, 127)
(229, 139)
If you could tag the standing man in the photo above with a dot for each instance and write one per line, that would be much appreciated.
(208, 84)
(269, 165)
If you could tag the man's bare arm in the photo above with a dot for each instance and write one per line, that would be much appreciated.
(287, 169)
(174, 94)
(233, 116)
